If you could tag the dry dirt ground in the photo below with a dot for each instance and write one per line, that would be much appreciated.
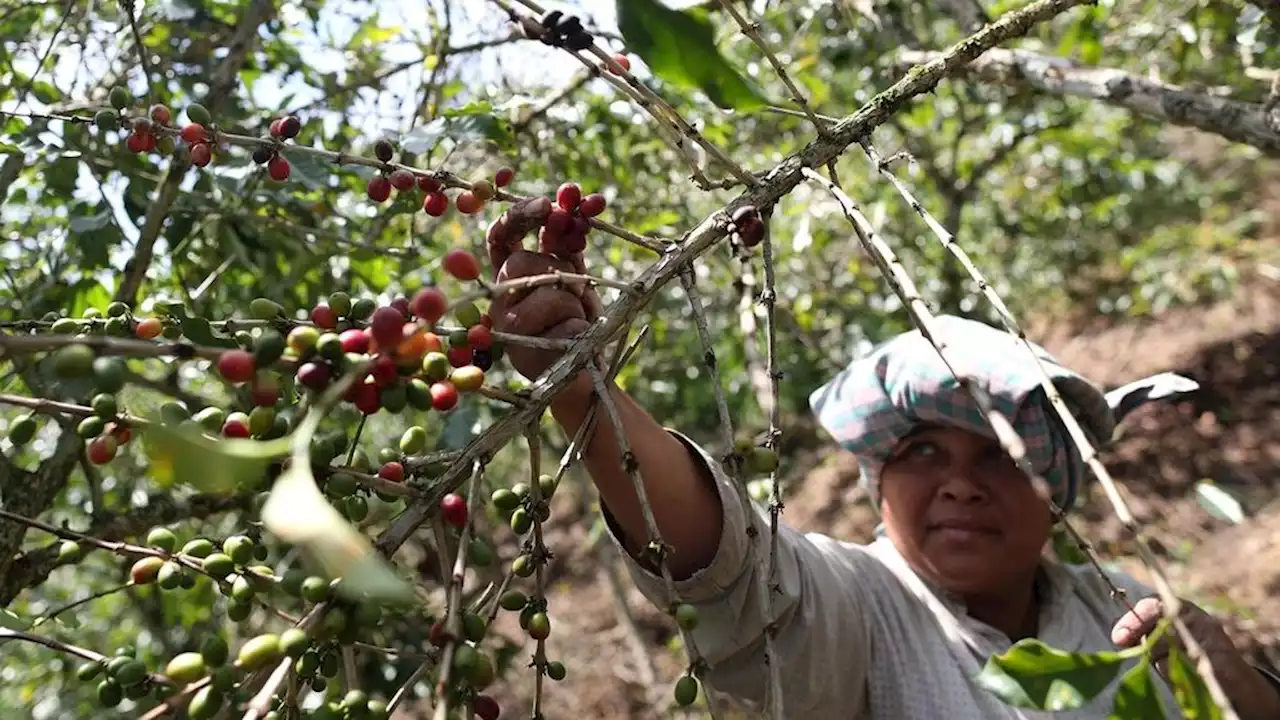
(622, 664)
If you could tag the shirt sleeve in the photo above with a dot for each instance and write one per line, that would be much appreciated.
(821, 640)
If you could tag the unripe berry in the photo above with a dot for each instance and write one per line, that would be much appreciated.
(236, 426)
(379, 188)
(483, 189)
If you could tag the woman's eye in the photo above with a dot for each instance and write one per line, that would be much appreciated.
(920, 448)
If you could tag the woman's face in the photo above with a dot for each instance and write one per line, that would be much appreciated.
(961, 513)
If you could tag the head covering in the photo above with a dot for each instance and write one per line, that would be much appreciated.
(877, 400)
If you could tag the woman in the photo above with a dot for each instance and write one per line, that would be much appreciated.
(899, 627)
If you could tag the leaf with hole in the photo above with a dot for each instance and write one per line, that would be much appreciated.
(1032, 674)
(185, 455)
(679, 46)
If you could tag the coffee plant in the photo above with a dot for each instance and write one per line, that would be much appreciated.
(372, 531)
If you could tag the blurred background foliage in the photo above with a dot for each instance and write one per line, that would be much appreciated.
(1075, 209)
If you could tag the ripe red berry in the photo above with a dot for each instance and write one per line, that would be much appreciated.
(142, 126)
(459, 356)
(559, 221)
(236, 366)
(201, 154)
(453, 509)
(592, 205)
(278, 168)
(568, 196)
(428, 183)
(366, 398)
(193, 133)
(148, 143)
(402, 179)
(122, 433)
(572, 243)
(314, 375)
(401, 303)
(444, 396)
(101, 450)
(379, 188)
(623, 61)
(438, 635)
(461, 264)
(290, 127)
(429, 304)
(479, 337)
(385, 326)
(160, 114)
(236, 426)
(277, 128)
(136, 143)
(384, 370)
(468, 202)
(435, 203)
(324, 316)
(392, 471)
(503, 177)
(149, 328)
(354, 340)
(750, 225)
(486, 320)
(486, 708)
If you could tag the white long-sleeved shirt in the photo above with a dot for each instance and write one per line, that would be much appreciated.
(861, 635)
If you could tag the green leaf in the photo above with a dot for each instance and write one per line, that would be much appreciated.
(475, 121)
(1067, 549)
(309, 169)
(45, 92)
(185, 455)
(1034, 675)
(1219, 502)
(199, 331)
(1190, 690)
(680, 48)
(12, 620)
(298, 513)
(1137, 698)
(88, 223)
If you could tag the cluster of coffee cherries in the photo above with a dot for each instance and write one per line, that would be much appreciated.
(564, 232)
(103, 429)
(557, 29)
(435, 202)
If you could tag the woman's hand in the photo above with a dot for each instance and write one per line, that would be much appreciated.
(547, 311)
(1252, 695)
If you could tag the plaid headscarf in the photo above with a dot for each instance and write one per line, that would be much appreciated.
(877, 400)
